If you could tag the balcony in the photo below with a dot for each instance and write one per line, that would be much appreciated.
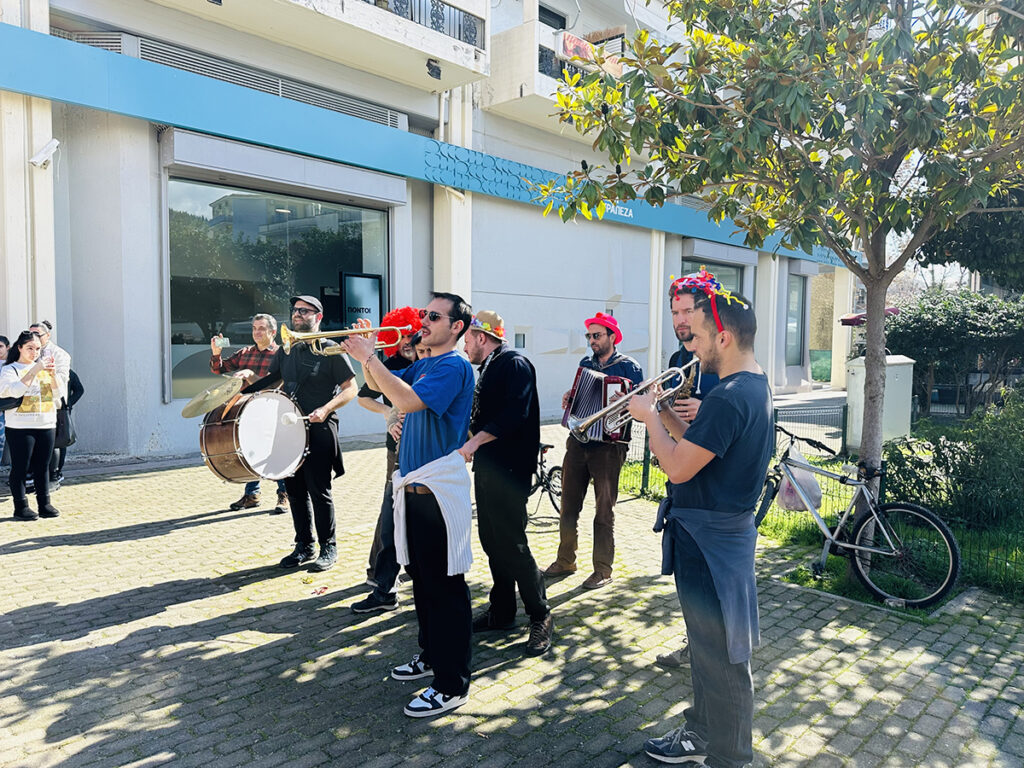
(527, 64)
(429, 44)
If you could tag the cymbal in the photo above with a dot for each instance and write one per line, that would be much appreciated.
(211, 397)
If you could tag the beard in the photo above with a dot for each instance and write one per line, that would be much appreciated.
(684, 335)
(709, 363)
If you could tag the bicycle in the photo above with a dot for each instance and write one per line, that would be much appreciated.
(550, 479)
(902, 553)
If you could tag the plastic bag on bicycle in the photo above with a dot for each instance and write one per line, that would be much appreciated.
(788, 497)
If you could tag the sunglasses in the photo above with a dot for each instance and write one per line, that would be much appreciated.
(433, 316)
(595, 335)
(303, 311)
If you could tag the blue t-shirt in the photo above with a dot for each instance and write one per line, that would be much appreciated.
(445, 385)
(734, 423)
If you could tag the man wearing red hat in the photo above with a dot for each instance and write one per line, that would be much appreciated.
(598, 460)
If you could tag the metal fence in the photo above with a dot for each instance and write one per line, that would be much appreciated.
(438, 16)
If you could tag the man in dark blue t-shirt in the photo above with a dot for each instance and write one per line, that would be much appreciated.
(716, 467)
(436, 394)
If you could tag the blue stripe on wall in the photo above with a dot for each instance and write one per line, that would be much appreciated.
(61, 70)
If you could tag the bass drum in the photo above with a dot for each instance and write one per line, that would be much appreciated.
(255, 438)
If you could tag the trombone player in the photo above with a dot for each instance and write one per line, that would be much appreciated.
(321, 383)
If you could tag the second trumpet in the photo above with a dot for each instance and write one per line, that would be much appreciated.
(616, 414)
(288, 338)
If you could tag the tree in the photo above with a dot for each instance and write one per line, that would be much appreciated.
(832, 124)
(990, 243)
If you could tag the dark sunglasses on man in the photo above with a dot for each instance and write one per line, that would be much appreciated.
(433, 316)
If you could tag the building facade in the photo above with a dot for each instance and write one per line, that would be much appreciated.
(215, 158)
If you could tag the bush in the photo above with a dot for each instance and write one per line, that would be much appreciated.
(975, 480)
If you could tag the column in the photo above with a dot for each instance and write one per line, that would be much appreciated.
(766, 309)
(453, 209)
(842, 336)
(656, 303)
(27, 271)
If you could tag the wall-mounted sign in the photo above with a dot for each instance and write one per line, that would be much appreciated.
(568, 45)
(360, 298)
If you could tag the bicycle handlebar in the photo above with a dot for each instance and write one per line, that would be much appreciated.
(806, 440)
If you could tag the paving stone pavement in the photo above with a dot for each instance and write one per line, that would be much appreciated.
(149, 625)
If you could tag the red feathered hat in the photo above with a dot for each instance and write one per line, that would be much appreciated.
(399, 318)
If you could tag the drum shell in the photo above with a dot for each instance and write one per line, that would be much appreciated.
(218, 443)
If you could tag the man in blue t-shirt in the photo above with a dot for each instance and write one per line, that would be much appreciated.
(716, 467)
(600, 460)
(436, 393)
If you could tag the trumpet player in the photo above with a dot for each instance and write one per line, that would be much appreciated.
(320, 384)
(597, 459)
(715, 466)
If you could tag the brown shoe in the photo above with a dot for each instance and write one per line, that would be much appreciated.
(282, 504)
(248, 501)
(596, 581)
(555, 570)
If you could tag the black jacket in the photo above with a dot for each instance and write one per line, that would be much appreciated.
(508, 409)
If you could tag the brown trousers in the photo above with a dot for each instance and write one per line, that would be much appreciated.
(600, 462)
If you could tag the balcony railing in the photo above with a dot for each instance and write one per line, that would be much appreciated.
(438, 16)
(552, 66)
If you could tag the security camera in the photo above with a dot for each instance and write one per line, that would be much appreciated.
(434, 68)
(41, 159)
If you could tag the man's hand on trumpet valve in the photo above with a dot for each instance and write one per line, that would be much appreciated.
(643, 405)
(360, 347)
(686, 409)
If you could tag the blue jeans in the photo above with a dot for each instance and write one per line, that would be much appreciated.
(252, 488)
(722, 713)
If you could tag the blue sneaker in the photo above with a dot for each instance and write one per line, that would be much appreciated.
(678, 746)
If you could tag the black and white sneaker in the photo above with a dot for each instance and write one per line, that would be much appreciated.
(430, 702)
(414, 670)
(372, 603)
(678, 746)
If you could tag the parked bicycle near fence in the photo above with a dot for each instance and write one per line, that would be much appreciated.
(548, 478)
(902, 553)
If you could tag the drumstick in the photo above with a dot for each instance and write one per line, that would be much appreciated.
(290, 418)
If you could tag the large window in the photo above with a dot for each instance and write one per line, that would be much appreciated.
(731, 277)
(236, 252)
(795, 325)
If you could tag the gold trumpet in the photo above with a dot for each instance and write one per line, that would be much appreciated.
(288, 338)
(615, 415)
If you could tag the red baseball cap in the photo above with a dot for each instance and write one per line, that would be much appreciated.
(608, 322)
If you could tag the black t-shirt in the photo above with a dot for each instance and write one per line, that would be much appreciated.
(394, 363)
(311, 379)
(734, 423)
(508, 409)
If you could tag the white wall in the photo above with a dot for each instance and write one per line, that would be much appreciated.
(545, 278)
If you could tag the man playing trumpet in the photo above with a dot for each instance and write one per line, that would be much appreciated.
(715, 467)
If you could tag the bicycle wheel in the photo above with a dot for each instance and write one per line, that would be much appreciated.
(925, 565)
(554, 486)
(771, 487)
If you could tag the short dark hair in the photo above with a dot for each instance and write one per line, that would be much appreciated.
(736, 314)
(5, 341)
(45, 324)
(460, 309)
(14, 353)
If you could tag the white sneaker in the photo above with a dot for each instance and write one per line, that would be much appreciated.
(430, 702)
(414, 670)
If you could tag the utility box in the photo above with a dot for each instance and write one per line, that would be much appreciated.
(899, 391)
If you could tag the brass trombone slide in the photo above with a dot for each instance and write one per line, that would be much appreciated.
(289, 337)
(615, 415)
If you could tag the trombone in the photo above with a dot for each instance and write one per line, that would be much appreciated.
(289, 338)
(615, 415)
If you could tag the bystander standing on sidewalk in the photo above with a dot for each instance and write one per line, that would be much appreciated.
(60, 452)
(5, 344)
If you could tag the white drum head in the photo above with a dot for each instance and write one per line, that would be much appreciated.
(272, 449)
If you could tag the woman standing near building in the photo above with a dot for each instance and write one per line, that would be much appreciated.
(31, 426)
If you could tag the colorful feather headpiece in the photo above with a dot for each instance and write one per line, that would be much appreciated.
(705, 282)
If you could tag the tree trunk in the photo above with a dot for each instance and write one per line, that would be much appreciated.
(926, 405)
(874, 372)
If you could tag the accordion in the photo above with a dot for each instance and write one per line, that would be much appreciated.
(592, 391)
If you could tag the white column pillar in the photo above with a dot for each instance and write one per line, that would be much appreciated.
(766, 310)
(453, 209)
(656, 303)
(842, 336)
(531, 11)
(27, 271)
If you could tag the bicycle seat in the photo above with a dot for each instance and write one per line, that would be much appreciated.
(545, 446)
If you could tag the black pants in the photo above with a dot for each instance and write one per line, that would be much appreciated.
(442, 601)
(57, 462)
(30, 450)
(382, 539)
(385, 566)
(311, 485)
(501, 516)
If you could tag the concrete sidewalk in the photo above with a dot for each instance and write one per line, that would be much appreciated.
(150, 626)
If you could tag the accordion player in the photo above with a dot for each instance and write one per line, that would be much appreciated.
(591, 392)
